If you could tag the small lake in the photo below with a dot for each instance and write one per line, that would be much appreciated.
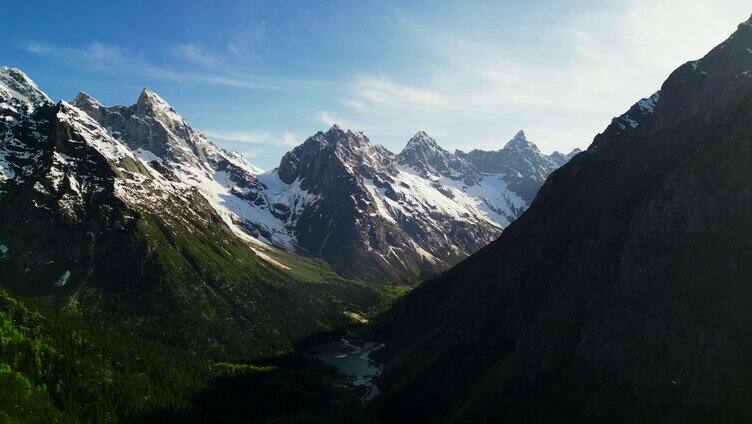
(353, 361)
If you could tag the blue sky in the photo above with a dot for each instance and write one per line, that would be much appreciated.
(261, 76)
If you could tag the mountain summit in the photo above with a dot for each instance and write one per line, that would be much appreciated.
(421, 140)
(18, 90)
(423, 154)
(523, 166)
(520, 142)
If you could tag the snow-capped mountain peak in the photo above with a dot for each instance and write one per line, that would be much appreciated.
(523, 166)
(337, 135)
(83, 98)
(520, 142)
(88, 104)
(422, 145)
(16, 87)
(150, 99)
(150, 104)
(422, 140)
(423, 154)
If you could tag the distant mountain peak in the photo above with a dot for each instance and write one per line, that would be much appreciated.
(422, 135)
(520, 142)
(560, 158)
(88, 104)
(422, 140)
(338, 135)
(337, 132)
(150, 104)
(15, 84)
(83, 98)
(150, 99)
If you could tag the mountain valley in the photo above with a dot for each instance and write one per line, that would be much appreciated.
(149, 274)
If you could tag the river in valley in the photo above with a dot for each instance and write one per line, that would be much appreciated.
(352, 360)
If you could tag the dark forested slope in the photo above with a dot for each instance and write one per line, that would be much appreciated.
(54, 369)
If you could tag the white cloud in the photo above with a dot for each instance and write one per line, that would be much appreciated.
(34, 47)
(590, 66)
(195, 53)
(102, 53)
(251, 154)
(380, 91)
(244, 41)
(115, 60)
(562, 79)
(253, 137)
(327, 119)
(289, 139)
(93, 52)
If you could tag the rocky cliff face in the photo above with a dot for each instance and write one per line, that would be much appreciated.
(338, 197)
(523, 166)
(622, 293)
(370, 213)
(373, 216)
(400, 215)
(423, 154)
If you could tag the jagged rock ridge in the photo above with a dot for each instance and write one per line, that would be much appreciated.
(337, 196)
(400, 215)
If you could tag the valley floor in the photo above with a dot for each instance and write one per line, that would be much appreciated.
(57, 368)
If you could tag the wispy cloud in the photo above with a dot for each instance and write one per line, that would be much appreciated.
(285, 138)
(244, 41)
(196, 53)
(116, 60)
(41, 49)
(561, 78)
(89, 52)
(251, 153)
(596, 63)
(380, 91)
(289, 139)
(327, 119)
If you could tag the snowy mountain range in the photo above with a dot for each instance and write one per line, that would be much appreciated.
(365, 210)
